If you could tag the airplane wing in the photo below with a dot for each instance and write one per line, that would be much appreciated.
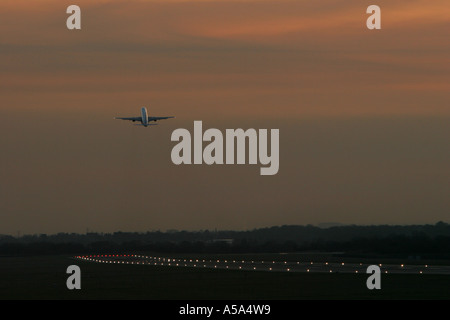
(158, 118)
(131, 119)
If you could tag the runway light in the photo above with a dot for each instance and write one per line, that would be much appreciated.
(270, 269)
(307, 270)
(288, 269)
(401, 265)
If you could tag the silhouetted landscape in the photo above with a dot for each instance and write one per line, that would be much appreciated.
(413, 241)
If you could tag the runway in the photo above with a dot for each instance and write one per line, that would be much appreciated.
(264, 265)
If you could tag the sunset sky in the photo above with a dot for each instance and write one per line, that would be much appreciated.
(363, 114)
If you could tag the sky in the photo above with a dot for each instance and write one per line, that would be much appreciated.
(363, 114)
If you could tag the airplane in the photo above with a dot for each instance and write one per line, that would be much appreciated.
(144, 118)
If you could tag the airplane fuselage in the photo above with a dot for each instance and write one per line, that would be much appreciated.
(144, 116)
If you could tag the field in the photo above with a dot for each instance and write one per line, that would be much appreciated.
(44, 277)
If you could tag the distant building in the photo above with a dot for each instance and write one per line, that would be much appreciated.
(225, 241)
(325, 225)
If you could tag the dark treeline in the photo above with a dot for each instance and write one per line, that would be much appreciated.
(424, 241)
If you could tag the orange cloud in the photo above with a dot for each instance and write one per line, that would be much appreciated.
(308, 57)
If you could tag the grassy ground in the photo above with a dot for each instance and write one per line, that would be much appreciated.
(44, 277)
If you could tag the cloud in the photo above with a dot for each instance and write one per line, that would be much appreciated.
(309, 57)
